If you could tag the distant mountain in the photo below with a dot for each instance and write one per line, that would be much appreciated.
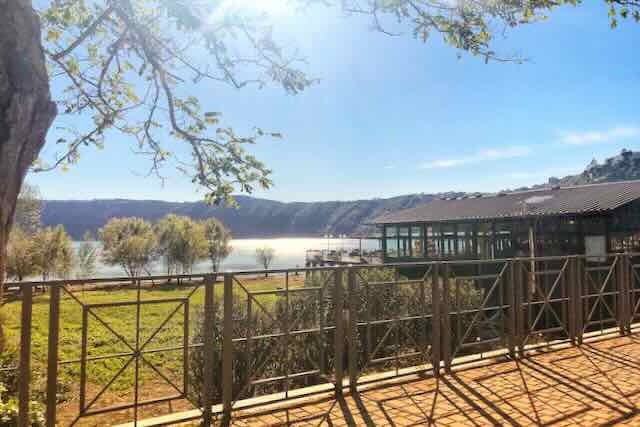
(267, 218)
(254, 218)
(623, 167)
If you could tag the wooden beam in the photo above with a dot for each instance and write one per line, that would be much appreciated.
(227, 350)
(338, 301)
(52, 361)
(208, 350)
(24, 373)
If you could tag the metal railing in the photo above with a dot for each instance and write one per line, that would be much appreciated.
(216, 343)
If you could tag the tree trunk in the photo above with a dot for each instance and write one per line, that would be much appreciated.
(26, 109)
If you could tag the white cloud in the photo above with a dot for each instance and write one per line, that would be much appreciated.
(482, 156)
(389, 166)
(598, 137)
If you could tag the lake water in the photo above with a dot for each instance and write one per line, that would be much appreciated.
(289, 253)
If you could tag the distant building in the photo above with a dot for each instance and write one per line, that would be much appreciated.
(589, 219)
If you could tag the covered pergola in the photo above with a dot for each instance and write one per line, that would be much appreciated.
(590, 219)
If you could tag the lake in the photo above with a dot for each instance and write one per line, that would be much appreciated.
(289, 253)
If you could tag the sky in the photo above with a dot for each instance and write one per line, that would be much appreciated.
(392, 115)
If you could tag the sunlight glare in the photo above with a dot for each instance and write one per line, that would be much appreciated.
(271, 8)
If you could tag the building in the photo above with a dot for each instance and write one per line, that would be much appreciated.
(589, 219)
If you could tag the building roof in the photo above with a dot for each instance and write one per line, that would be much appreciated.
(584, 199)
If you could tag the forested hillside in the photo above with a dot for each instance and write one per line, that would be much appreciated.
(267, 218)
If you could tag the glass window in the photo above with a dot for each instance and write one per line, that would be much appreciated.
(432, 242)
(448, 240)
(392, 248)
(403, 242)
(417, 242)
(503, 241)
(465, 240)
(485, 241)
(390, 231)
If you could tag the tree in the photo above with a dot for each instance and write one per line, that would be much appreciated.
(265, 256)
(181, 242)
(54, 252)
(129, 243)
(131, 64)
(87, 256)
(28, 214)
(218, 242)
(193, 247)
(470, 26)
(21, 259)
(26, 109)
(167, 230)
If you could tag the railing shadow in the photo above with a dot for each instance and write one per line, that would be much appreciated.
(339, 409)
(524, 400)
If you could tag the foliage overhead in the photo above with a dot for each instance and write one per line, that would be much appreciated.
(470, 25)
(132, 66)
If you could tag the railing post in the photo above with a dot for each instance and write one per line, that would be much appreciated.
(572, 296)
(628, 287)
(83, 358)
(227, 350)
(519, 286)
(619, 289)
(52, 364)
(352, 334)
(24, 373)
(338, 302)
(436, 321)
(624, 293)
(208, 350)
(446, 319)
(513, 309)
(423, 323)
(581, 277)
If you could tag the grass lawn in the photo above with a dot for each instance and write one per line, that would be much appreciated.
(122, 319)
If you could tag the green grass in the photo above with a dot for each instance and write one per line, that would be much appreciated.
(102, 341)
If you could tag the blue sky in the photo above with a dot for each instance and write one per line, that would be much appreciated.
(392, 115)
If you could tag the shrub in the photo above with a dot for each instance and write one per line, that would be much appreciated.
(54, 252)
(129, 243)
(181, 242)
(9, 411)
(21, 255)
(218, 242)
(306, 352)
(265, 256)
(265, 355)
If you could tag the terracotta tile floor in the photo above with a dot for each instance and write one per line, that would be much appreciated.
(596, 384)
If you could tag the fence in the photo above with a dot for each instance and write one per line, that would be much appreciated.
(211, 346)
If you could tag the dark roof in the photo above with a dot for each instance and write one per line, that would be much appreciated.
(583, 199)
